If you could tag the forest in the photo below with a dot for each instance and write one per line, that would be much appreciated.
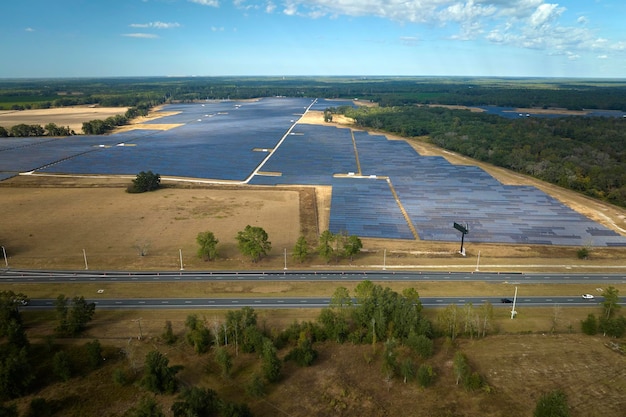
(585, 154)
(573, 94)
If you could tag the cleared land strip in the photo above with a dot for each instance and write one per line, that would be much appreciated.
(404, 213)
(356, 153)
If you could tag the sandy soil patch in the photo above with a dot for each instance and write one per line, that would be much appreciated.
(454, 107)
(154, 114)
(73, 117)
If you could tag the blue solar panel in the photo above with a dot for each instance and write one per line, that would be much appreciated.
(229, 140)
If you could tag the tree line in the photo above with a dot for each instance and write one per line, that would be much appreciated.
(396, 91)
(584, 154)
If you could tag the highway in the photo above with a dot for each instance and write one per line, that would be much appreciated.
(27, 276)
(69, 277)
(307, 302)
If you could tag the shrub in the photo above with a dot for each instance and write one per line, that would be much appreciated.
(145, 181)
(425, 375)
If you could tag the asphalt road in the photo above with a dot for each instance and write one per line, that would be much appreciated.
(25, 276)
(307, 302)
(68, 277)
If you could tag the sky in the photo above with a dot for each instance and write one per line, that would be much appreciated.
(504, 38)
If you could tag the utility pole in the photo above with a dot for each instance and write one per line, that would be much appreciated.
(4, 252)
(384, 259)
(513, 312)
(85, 257)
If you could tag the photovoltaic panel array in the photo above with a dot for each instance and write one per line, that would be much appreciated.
(310, 155)
(366, 207)
(221, 140)
(229, 140)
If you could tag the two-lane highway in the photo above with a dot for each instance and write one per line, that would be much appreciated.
(70, 277)
(304, 302)
(28, 276)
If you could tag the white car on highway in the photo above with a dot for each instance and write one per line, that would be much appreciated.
(588, 296)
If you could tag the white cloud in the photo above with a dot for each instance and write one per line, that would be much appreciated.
(545, 14)
(536, 24)
(212, 3)
(155, 25)
(603, 56)
(216, 29)
(29, 30)
(140, 35)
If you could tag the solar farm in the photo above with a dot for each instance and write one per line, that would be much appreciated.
(381, 188)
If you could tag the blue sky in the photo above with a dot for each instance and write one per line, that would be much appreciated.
(110, 38)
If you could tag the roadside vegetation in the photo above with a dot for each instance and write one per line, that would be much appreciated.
(237, 365)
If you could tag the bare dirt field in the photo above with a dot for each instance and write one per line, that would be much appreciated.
(72, 117)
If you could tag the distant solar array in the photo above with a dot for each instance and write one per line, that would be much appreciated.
(380, 188)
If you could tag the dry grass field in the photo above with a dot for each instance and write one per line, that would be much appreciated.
(48, 221)
(72, 117)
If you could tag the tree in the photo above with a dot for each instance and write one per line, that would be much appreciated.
(460, 366)
(425, 375)
(420, 344)
(74, 321)
(325, 247)
(611, 302)
(208, 245)
(61, 365)
(352, 246)
(168, 334)
(252, 242)
(256, 386)
(552, 404)
(271, 365)
(94, 354)
(407, 370)
(449, 321)
(196, 402)
(158, 376)
(9, 311)
(145, 181)
(590, 325)
(16, 373)
(300, 250)
(224, 360)
(198, 335)
(303, 354)
(390, 361)
(341, 299)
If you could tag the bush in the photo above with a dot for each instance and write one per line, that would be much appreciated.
(145, 181)
(425, 375)
(590, 325)
(61, 365)
(420, 344)
(582, 253)
(553, 404)
(119, 377)
(256, 387)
